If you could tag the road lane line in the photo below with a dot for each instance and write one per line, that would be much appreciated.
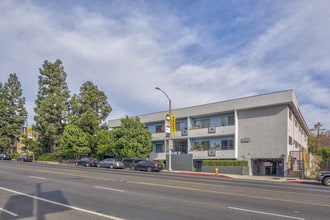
(112, 189)
(8, 212)
(38, 177)
(62, 204)
(266, 213)
(232, 194)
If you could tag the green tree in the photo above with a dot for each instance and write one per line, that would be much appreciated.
(52, 104)
(31, 145)
(13, 112)
(324, 152)
(73, 141)
(90, 99)
(132, 139)
(106, 145)
(88, 110)
(4, 141)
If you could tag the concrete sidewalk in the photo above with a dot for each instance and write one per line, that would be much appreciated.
(261, 178)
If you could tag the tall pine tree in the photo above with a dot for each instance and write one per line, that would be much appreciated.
(52, 104)
(88, 110)
(13, 112)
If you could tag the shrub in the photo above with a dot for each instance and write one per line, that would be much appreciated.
(241, 163)
(47, 157)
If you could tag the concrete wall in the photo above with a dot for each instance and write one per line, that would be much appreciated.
(262, 133)
(182, 162)
(237, 170)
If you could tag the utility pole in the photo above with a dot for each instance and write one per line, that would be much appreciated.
(317, 126)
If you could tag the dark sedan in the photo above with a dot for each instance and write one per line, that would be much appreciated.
(5, 157)
(86, 162)
(111, 163)
(324, 177)
(147, 165)
(24, 158)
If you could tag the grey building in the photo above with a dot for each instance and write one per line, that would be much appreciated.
(266, 130)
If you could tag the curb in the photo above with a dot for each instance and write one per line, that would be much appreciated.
(204, 174)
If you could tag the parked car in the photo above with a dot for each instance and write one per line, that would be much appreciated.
(128, 161)
(147, 165)
(324, 177)
(5, 157)
(25, 158)
(86, 162)
(111, 163)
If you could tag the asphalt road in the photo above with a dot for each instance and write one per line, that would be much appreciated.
(44, 191)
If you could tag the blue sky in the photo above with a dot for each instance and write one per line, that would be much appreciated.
(197, 51)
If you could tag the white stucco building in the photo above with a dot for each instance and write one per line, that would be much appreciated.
(267, 130)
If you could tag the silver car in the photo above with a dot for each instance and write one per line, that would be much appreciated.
(111, 163)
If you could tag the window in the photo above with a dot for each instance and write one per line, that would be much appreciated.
(201, 146)
(290, 115)
(202, 123)
(205, 123)
(159, 148)
(180, 126)
(160, 129)
(227, 145)
(290, 140)
(227, 120)
(205, 145)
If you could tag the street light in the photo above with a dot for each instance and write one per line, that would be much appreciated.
(169, 134)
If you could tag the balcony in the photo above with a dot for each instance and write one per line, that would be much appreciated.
(219, 154)
(211, 131)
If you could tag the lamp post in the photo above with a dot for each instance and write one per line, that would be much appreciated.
(168, 135)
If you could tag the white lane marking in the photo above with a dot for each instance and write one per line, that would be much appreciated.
(266, 213)
(38, 177)
(63, 205)
(112, 189)
(8, 212)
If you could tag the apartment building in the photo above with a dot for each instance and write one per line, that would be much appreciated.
(266, 130)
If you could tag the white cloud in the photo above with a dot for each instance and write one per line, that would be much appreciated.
(127, 51)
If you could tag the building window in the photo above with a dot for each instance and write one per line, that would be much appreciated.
(205, 123)
(205, 145)
(202, 123)
(201, 146)
(227, 145)
(227, 120)
(160, 129)
(159, 148)
(290, 140)
(290, 115)
(180, 126)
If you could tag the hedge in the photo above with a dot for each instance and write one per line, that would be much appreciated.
(241, 163)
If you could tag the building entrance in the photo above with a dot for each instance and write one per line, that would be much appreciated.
(268, 167)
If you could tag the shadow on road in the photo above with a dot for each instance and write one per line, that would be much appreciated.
(27, 206)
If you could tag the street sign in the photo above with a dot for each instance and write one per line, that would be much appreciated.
(168, 123)
(29, 133)
(173, 124)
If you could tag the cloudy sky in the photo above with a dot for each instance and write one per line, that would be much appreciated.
(197, 51)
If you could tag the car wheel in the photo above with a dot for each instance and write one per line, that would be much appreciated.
(76, 164)
(111, 166)
(87, 164)
(98, 165)
(132, 167)
(326, 181)
(149, 169)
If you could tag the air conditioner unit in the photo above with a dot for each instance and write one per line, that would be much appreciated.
(184, 132)
(212, 130)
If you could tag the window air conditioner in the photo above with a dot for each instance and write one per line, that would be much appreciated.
(212, 130)
(184, 132)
